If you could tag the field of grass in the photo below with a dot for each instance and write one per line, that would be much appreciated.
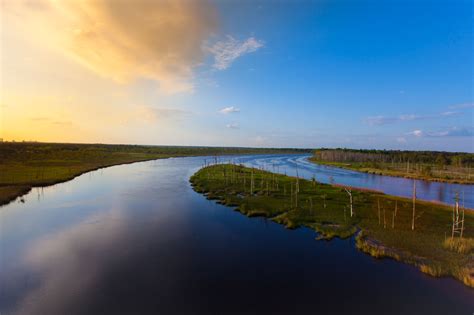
(451, 167)
(446, 174)
(27, 165)
(382, 223)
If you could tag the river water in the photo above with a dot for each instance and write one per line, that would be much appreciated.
(136, 239)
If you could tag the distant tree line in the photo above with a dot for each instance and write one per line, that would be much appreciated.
(31, 151)
(458, 159)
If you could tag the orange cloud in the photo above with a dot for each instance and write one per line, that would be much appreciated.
(124, 40)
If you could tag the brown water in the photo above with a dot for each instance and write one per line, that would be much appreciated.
(136, 239)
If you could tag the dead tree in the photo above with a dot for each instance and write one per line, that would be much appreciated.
(378, 206)
(349, 192)
(252, 183)
(297, 189)
(414, 207)
(384, 221)
(393, 219)
(291, 195)
(458, 218)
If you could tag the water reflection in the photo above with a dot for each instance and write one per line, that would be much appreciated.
(136, 239)
(426, 190)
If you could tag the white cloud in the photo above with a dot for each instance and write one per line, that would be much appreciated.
(233, 125)
(229, 110)
(401, 140)
(416, 133)
(462, 106)
(385, 120)
(452, 132)
(449, 132)
(226, 51)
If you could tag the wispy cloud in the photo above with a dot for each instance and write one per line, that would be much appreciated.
(450, 132)
(39, 118)
(260, 140)
(47, 120)
(385, 120)
(416, 133)
(229, 110)
(233, 125)
(62, 123)
(401, 140)
(151, 114)
(226, 51)
(462, 106)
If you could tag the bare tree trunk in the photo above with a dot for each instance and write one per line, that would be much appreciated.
(349, 192)
(384, 221)
(454, 222)
(378, 206)
(414, 207)
(291, 195)
(296, 194)
(252, 183)
(462, 222)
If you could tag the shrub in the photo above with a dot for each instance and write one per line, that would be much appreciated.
(459, 245)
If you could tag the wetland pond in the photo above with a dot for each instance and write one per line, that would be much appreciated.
(136, 239)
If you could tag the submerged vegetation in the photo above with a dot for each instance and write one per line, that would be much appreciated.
(25, 165)
(407, 230)
(429, 165)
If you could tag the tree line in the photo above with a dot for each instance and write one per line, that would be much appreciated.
(458, 159)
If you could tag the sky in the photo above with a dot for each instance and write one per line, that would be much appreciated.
(329, 73)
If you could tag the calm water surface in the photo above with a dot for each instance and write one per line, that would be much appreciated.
(426, 190)
(136, 239)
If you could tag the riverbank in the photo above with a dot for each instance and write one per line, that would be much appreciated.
(27, 165)
(365, 168)
(383, 223)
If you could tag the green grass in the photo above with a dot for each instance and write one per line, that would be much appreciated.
(447, 174)
(325, 208)
(27, 165)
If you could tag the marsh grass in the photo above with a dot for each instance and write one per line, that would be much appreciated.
(459, 245)
(325, 209)
(27, 165)
(448, 175)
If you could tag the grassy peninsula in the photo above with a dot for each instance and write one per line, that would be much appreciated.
(382, 223)
(24, 165)
(451, 167)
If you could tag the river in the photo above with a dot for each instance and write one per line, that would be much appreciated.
(136, 239)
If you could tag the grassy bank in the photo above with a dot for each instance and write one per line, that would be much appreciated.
(426, 165)
(455, 177)
(383, 223)
(27, 165)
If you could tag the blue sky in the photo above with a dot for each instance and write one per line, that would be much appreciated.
(328, 67)
(358, 74)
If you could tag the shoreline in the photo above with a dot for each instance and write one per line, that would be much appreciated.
(425, 247)
(26, 188)
(19, 190)
(388, 173)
